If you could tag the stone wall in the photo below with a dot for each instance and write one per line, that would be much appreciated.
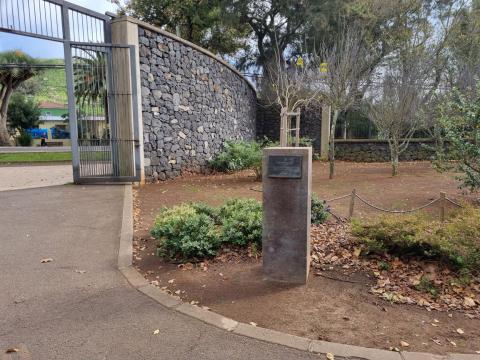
(378, 150)
(192, 103)
(268, 122)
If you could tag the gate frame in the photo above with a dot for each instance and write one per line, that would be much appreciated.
(65, 6)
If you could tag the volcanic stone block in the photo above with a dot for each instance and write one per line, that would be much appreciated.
(287, 182)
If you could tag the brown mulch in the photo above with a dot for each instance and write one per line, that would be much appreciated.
(397, 280)
(348, 298)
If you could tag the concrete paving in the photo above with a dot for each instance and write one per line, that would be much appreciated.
(79, 306)
(33, 176)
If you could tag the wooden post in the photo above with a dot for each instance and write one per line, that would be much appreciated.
(283, 128)
(352, 204)
(443, 195)
(297, 129)
(325, 132)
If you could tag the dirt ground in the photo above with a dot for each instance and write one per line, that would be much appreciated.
(333, 310)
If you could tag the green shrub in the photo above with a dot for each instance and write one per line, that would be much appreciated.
(239, 155)
(24, 139)
(455, 242)
(183, 232)
(241, 222)
(319, 210)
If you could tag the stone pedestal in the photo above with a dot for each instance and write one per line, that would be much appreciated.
(287, 182)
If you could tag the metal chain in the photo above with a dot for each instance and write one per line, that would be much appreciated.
(397, 211)
(338, 198)
(453, 202)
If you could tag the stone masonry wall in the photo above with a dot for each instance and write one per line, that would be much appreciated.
(378, 150)
(191, 104)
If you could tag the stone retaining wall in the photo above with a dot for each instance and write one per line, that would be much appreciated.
(192, 103)
(378, 150)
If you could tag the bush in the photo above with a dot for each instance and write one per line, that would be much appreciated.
(455, 242)
(239, 155)
(319, 210)
(184, 232)
(241, 222)
(24, 139)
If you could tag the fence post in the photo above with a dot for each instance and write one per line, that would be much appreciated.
(352, 204)
(443, 195)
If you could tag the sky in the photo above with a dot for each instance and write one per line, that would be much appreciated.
(48, 49)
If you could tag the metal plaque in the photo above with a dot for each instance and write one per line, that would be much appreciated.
(285, 166)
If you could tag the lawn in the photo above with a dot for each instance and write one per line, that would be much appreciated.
(11, 158)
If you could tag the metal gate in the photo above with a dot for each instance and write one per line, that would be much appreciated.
(101, 85)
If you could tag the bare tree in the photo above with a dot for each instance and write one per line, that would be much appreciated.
(343, 70)
(396, 106)
(292, 86)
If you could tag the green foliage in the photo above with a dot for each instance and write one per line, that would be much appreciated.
(242, 222)
(426, 285)
(319, 210)
(199, 21)
(196, 230)
(239, 155)
(460, 119)
(383, 266)
(22, 113)
(455, 242)
(185, 233)
(24, 139)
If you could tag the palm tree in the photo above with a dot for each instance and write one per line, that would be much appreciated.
(15, 68)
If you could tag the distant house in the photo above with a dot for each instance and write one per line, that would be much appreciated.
(53, 125)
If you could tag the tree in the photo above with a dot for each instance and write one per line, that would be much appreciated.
(23, 113)
(199, 21)
(272, 24)
(15, 68)
(460, 117)
(395, 114)
(292, 86)
(342, 65)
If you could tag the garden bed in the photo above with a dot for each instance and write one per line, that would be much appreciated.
(347, 299)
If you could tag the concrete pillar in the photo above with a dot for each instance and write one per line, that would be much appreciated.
(287, 182)
(125, 32)
(325, 131)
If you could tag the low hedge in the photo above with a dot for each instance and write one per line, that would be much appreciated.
(455, 242)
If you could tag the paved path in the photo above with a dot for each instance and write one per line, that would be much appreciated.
(33, 176)
(23, 149)
(79, 306)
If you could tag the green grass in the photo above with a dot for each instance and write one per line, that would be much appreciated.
(35, 157)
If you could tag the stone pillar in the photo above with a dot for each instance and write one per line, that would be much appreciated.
(287, 182)
(325, 135)
(125, 32)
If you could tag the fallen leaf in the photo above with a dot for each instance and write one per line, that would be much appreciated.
(80, 271)
(392, 348)
(46, 260)
(468, 302)
(460, 331)
(453, 343)
(330, 356)
(156, 332)
(12, 350)
(171, 281)
(253, 323)
(404, 344)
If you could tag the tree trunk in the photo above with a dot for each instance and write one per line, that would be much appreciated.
(4, 100)
(4, 135)
(394, 154)
(345, 130)
(331, 148)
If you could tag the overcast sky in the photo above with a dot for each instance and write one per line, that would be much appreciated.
(48, 49)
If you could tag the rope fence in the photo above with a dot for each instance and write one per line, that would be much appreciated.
(442, 200)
